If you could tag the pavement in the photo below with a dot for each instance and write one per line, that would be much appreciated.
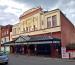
(35, 60)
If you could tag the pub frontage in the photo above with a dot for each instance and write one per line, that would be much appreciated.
(35, 45)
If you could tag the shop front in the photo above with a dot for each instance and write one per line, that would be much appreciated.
(18, 49)
(39, 45)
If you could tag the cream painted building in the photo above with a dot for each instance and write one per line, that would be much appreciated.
(36, 21)
(15, 31)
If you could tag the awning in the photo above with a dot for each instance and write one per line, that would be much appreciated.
(33, 40)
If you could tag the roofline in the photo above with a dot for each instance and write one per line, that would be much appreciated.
(30, 12)
(67, 18)
(52, 11)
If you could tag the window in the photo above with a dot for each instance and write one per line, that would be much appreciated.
(34, 27)
(42, 22)
(7, 32)
(7, 39)
(54, 21)
(35, 23)
(14, 31)
(48, 22)
(26, 29)
(29, 28)
(4, 40)
(2, 34)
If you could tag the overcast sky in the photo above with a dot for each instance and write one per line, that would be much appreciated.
(10, 10)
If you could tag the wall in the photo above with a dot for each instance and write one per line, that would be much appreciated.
(5, 33)
(50, 14)
(54, 34)
(30, 22)
(5, 30)
(41, 29)
(67, 31)
(5, 36)
(16, 29)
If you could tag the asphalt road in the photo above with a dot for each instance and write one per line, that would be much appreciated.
(32, 60)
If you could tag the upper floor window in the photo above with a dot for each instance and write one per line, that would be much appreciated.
(7, 32)
(54, 21)
(2, 34)
(14, 31)
(7, 39)
(34, 27)
(35, 23)
(29, 28)
(49, 22)
(26, 29)
(42, 22)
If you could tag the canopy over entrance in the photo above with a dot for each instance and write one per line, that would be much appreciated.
(33, 40)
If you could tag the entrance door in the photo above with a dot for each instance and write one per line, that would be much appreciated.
(31, 49)
(18, 49)
(43, 49)
(25, 49)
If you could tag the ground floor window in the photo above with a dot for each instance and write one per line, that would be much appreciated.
(53, 50)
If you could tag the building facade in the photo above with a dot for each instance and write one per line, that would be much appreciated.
(5, 36)
(36, 22)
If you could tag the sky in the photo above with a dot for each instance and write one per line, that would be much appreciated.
(10, 10)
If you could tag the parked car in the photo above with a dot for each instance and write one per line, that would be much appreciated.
(3, 58)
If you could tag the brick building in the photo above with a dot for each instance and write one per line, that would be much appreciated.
(51, 24)
(5, 36)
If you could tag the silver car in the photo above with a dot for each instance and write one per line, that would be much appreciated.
(3, 58)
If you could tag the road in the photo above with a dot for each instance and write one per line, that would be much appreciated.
(32, 60)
